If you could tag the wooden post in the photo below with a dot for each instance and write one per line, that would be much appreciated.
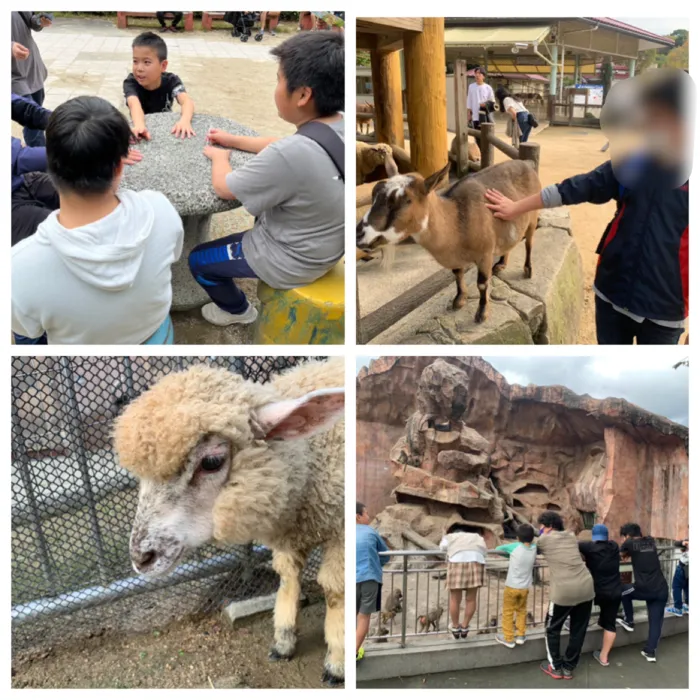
(461, 120)
(530, 151)
(426, 92)
(359, 335)
(485, 144)
(388, 103)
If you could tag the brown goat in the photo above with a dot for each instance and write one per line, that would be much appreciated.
(455, 226)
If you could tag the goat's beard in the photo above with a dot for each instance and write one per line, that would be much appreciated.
(388, 256)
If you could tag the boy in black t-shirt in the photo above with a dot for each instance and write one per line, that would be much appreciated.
(649, 585)
(150, 89)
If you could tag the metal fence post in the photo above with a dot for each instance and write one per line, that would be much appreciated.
(404, 590)
(75, 431)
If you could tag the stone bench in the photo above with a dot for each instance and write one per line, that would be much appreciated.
(123, 19)
(208, 18)
(310, 315)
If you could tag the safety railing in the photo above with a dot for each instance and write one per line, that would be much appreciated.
(420, 578)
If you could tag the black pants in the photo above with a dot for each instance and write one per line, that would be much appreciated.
(31, 204)
(655, 616)
(614, 328)
(556, 616)
(177, 17)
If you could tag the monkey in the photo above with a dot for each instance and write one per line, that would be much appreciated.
(382, 633)
(432, 619)
(493, 624)
(530, 619)
(392, 606)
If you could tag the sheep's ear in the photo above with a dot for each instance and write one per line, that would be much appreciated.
(390, 165)
(435, 179)
(299, 418)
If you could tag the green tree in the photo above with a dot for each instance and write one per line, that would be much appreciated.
(680, 36)
(362, 58)
(679, 57)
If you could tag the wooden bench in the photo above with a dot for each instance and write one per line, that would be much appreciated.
(123, 22)
(208, 18)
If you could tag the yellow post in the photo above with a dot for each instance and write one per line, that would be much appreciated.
(426, 95)
(388, 102)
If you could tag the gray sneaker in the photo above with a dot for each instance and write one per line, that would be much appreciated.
(502, 640)
(219, 317)
(520, 640)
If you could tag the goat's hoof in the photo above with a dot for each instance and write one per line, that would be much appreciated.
(481, 315)
(331, 679)
(275, 655)
(459, 302)
(498, 268)
(528, 273)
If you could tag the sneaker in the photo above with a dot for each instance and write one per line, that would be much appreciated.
(649, 656)
(678, 612)
(502, 640)
(568, 674)
(360, 654)
(629, 626)
(455, 631)
(596, 656)
(567, 624)
(219, 317)
(520, 640)
(551, 671)
(164, 29)
(686, 610)
(464, 631)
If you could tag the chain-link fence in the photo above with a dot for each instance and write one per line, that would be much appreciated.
(72, 505)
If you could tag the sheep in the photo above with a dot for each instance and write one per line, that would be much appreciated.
(371, 160)
(365, 115)
(455, 226)
(223, 458)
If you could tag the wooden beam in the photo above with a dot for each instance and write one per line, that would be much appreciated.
(381, 24)
(388, 106)
(426, 93)
(386, 316)
(486, 144)
(461, 120)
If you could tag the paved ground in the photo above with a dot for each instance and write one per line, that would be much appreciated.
(224, 76)
(627, 670)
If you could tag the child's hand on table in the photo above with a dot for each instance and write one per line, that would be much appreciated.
(140, 132)
(132, 157)
(183, 129)
(214, 153)
(220, 137)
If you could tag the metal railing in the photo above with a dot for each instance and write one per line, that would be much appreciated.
(422, 586)
(73, 505)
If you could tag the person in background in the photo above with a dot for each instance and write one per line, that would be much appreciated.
(28, 69)
(480, 99)
(602, 557)
(518, 581)
(177, 18)
(368, 574)
(571, 594)
(649, 585)
(516, 113)
(466, 563)
(680, 584)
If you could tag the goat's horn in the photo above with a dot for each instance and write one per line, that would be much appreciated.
(390, 164)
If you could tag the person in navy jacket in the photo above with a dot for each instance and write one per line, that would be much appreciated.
(641, 282)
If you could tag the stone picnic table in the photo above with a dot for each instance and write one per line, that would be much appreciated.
(178, 168)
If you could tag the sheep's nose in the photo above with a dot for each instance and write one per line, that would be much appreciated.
(144, 559)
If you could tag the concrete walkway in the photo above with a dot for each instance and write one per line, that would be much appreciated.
(628, 669)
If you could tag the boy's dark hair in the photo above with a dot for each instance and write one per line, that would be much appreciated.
(667, 92)
(501, 93)
(525, 533)
(359, 508)
(152, 41)
(551, 519)
(86, 139)
(461, 527)
(631, 530)
(315, 60)
(482, 70)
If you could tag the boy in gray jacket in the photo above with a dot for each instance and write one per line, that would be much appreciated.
(571, 593)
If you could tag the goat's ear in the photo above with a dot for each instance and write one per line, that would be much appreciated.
(435, 179)
(390, 164)
(299, 418)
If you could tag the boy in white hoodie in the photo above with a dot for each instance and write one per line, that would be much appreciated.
(97, 271)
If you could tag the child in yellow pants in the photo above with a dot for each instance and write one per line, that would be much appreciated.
(518, 581)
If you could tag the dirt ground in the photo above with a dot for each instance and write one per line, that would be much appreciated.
(199, 652)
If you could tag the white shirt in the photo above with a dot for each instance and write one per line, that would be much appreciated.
(107, 282)
(477, 95)
(464, 556)
(510, 102)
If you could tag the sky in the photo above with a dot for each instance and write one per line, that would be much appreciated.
(647, 380)
(657, 25)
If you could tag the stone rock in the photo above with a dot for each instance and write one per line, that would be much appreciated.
(178, 167)
(559, 217)
(514, 452)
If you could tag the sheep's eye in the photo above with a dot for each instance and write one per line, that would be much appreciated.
(211, 464)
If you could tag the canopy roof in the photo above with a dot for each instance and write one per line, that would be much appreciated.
(495, 36)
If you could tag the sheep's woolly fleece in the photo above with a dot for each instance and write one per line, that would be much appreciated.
(157, 431)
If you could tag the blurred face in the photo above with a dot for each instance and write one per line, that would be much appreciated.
(664, 134)
(364, 518)
(479, 78)
(291, 106)
(146, 67)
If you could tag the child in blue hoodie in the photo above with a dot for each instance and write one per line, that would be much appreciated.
(97, 271)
